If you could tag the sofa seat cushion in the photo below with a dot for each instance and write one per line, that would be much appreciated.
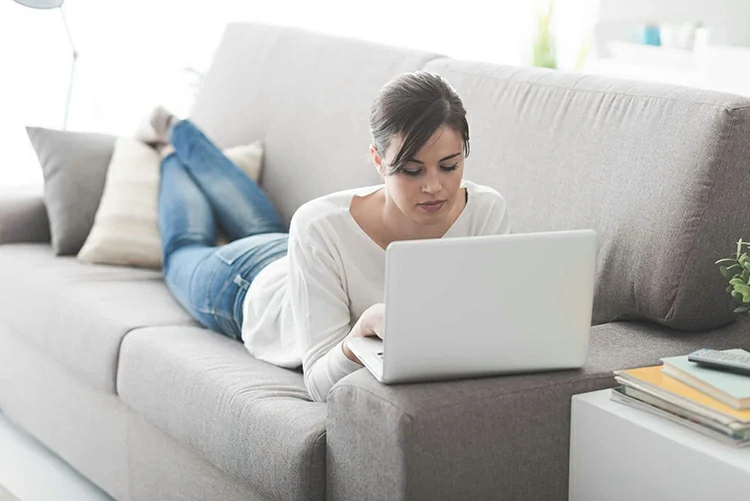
(253, 420)
(79, 313)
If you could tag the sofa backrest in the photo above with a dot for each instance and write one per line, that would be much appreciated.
(308, 97)
(659, 171)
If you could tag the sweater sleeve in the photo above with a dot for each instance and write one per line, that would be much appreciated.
(320, 307)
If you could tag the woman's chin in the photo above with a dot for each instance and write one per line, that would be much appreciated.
(430, 218)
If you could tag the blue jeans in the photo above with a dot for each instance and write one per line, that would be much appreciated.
(201, 189)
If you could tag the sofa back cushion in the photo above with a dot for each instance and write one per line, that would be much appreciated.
(661, 172)
(307, 96)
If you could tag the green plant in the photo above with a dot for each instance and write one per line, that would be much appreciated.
(545, 54)
(737, 270)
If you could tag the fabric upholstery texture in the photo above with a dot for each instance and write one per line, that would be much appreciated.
(77, 313)
(482, 439)
(23, 217)
(162, 468)
(308, 97)
(84, 426)
(657, 170)
(251, 419)
(74, 165)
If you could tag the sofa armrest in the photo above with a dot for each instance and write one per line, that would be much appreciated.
(23, 216)
(481, 439)
(496, 438)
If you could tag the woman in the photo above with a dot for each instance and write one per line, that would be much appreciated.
(296, 298)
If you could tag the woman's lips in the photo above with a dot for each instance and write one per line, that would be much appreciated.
(433, 206)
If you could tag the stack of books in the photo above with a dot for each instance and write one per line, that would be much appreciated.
(712, 402)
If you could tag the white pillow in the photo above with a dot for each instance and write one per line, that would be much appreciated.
(126, 226)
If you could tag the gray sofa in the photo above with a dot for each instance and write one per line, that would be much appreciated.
(104, 367)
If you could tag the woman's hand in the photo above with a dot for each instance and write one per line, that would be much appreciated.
(369, 324)
(374, 320)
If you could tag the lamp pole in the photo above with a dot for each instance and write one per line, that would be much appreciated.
(72, 68)
(52, 4)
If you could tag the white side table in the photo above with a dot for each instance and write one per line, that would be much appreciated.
(620, 453)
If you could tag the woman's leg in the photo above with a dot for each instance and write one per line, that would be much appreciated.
(188, 232)
(209, 282)
(243, 209)
(185, 215)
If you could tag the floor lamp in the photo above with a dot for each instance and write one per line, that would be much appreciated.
(57, 4)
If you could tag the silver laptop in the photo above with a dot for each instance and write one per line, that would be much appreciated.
(476, 306)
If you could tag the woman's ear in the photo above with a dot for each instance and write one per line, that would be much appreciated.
(378, 160)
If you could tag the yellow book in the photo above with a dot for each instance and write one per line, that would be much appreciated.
(652, 380)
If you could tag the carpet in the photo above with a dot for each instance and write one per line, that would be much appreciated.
(6, 496)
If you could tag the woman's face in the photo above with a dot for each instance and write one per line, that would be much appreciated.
(428, 188)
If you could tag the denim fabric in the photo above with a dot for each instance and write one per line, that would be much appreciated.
(200, 190)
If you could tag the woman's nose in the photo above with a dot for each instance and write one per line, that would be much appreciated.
(432, 184)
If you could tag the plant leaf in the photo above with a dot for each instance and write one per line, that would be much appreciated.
(741, 309)
(736, 295)
(726, 273)
(736, 282)
(724, 260)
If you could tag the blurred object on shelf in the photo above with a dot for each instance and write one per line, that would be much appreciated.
(719, 68)
(679, 35)
(702, 38)
(649, 34)
(727, 20)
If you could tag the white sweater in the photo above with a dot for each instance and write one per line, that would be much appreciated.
(300, 308)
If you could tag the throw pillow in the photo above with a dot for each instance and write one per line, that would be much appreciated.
(126, 227)
(74, 165)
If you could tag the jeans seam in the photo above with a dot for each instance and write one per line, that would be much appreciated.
(211, 311)
(222, 292)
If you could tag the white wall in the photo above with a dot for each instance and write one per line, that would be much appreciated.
(133, 53)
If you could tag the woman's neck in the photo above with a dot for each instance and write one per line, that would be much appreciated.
(398, 226)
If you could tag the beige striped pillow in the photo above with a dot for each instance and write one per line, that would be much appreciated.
(126, 227)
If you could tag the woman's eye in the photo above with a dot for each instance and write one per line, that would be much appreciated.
(444, 168)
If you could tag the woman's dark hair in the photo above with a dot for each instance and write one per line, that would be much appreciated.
(415, 105)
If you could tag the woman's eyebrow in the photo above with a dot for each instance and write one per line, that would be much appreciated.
(441, 160)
